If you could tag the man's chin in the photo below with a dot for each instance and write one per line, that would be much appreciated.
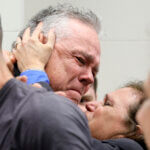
(73, 95)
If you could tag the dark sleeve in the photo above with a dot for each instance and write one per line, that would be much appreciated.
(16, 70)
(45, 121)
(13, 96)
(143, 144)
(116, 144)
(46, 86)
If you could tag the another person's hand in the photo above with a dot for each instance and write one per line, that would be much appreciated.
(147, 87)
(144, 121)
(10, 59)
(33, 51)
(144, 113)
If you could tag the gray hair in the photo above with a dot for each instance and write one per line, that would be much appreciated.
(56, 17)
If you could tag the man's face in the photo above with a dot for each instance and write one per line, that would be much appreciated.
(74, 61)
(107, 118)
(89, 96)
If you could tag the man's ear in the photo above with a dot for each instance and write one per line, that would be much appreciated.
(1, 35)
(43, 38)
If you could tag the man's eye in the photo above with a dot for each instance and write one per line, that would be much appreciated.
(81, 60)
(107, 103)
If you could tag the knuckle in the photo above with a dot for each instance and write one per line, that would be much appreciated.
(32, 41)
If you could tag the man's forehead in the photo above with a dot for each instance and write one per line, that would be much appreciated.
(86, 34)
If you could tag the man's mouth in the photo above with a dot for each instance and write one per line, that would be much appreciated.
(74, 95)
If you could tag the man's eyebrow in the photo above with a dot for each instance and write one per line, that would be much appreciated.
(88, 57)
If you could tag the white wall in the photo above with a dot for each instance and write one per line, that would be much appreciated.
(12, 14)
(122, 61)
(125, 38)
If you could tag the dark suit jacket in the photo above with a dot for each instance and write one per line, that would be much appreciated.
(37, 119)
(34, 119)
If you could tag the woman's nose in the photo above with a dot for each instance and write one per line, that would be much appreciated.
(91, 106)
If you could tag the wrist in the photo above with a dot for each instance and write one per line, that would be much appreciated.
(35, 76)
(33, 67)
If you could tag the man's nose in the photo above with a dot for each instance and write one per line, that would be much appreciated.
(87, 77)
(92, 106)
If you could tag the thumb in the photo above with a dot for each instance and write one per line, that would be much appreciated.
(22, 78)
(37, 85)
(61, 93)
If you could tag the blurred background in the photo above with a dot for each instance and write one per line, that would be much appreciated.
(125, 36)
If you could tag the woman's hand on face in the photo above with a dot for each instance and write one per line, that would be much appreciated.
(33, 51)
(10, 59)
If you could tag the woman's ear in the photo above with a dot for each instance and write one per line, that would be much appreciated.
(138, 133)
(42, 38)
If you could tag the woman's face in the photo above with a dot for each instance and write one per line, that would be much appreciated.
(107, 118)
